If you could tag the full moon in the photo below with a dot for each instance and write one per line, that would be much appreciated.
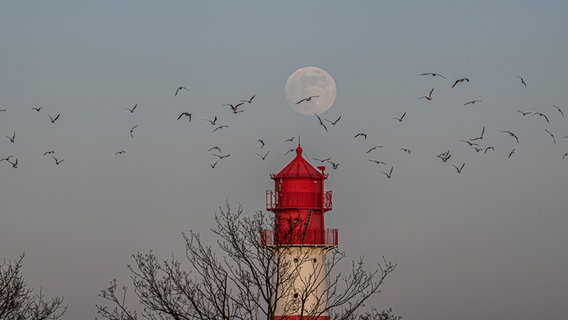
(310, 90)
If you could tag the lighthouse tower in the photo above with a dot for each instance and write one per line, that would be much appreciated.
(300, 240)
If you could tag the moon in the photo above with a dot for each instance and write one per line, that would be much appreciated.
(309, 82)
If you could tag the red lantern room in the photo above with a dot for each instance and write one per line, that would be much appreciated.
(299, 201)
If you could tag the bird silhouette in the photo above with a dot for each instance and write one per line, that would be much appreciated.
(401, 117)
(488, 148)
(249, 100)
(186, 114)
(512, 135)
(542, 115)
(377, 161)
(48, 152)
(220, 127)
(179, 89)
(481, 136)
(322, 160)
(471, 144)
(133, 108)
(215, 148)
(307, 99)
(3, 110)
(559, 110)
(512, 152)
(460, 80)
(53, 119)
(120, 152)
(405, 150)
(57, 161)
(7, 158)
(289, 151)
(213, 164)
(12, 138)
(524, 113)
(523, 82)
(334, 165)
(213, 122)
(264, 156)
(220, 156)
(360, 134)
(333, 122)
(472, 102)
(14, 164)
(373, 148)
(460, 168)
(321, 122)
(433, 74)
(38, 109)
(551, 135)
(565, 155)
(261, 143)
(445, 156)
(429, 96)
(290, 139)
(389, 174)
(132, 131)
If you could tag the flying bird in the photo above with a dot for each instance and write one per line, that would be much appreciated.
(215, 148)
(7, 158)
(481, 136)
(373, 148)
(179, 89)
(132, 131)
(213, 164)
(333, 165)
(290, 139)
(551, 135)
(38, 109)
(291, 150)
(133, 108)
(220, 127)
(12, 138)
(261, 143)
(186, 114)
(488, 148)
(334, 122)
(401, 117)
(14, 164)
(389, 174)
(264, 156)
(523, 82)
(429, 96)
(360, 134)
(48, 152)
(53, 119)
(321, 122)
(445, 156)
(213, 122)
(472, 102)
(460, 80)
(460, 168)
(542, 115)
(512, 135)
(433, 74)
(57, 161)
(524, 113)
(565, 155)
(220, 156)
(249, 100)
(307, 99)
(3, 110)
(512, 152)
(120, 152)
(559, 110)
(377, 161)
(405, 150)
(322, 160)
(471, 144)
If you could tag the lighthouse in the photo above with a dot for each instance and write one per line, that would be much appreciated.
(300, 240)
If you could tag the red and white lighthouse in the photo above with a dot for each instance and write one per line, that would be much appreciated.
(300, 239)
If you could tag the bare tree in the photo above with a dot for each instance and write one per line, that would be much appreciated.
(243, 279)
(18, 301)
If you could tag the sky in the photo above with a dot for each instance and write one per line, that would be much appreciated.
(488, 242)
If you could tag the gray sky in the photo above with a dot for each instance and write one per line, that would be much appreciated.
(489, 242)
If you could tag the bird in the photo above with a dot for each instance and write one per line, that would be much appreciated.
(307, 99)
(57, 161)
(480, 137)
(132, 131)
(433, 74)
(472, 102)
(214, 164)
(249, 100)
(214, 148)
(321, 122)
(220, 156)
(213, 122)
(542, 115)
(389, 174)
(401, 117)
(551, 135)
(523, 82)
(471, 144)
(186, 114)
(524, 113)
(48, 152)
(12, 138)
(3, 110)
(235, 107)
(7, 158)
(488, 148)
(460, 168)
(322, 160)
(261, 143)
(291, 150)
(429, 96)
(405, 150)
(120, 152)
(263, 157)
(333, 122)
(377, 161)
(477, 149)
(460, 80)
(565, 155)
(333, 165)
(53, 119)
(179, 89)
(373, 148)
(445, 156)
(512, 135)
(512, 152)
(14, 164)
(360, 134)
(220, 127)
(38, 109)
(290, 139)
(559, 110)
(133, 108)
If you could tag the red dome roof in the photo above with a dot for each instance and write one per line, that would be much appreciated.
(298, 168)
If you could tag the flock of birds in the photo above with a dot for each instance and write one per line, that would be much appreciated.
(475, 143)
